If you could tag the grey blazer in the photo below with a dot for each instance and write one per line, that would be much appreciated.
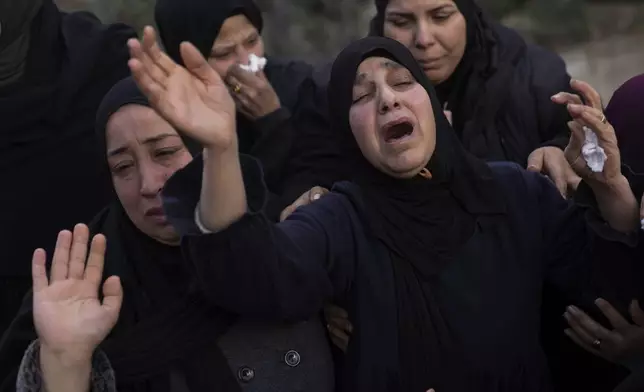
(264, 357)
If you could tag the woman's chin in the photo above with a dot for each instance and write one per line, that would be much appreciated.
(403, 170)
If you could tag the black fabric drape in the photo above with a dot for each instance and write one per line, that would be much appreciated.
(51, 172)
(164, 325)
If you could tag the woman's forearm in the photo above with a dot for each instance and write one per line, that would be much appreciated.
(618, 205)
(64, 375)
(223, 197)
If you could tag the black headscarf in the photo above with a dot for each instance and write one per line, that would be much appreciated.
(165, 326)
(475, 92)
(422, 222)
(199, 22)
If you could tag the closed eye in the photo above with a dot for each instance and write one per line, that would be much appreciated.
(167, 152)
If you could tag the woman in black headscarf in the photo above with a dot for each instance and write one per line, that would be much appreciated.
(496, 87)
(55, 68)
(168, 337)
(228, 33)
(428, 248)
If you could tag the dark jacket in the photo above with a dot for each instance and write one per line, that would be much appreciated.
(270, 139)
(490, 295)
(51, 170)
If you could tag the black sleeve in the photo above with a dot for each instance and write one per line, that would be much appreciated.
(257, 268)
(272, 148)
(15, 342)
(315, 159)
(549, 76)
(573, 233)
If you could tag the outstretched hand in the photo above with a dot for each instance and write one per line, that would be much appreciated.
(193, 98)
(70, 319)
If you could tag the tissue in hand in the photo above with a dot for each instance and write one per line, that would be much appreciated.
(593, 153)
(255, 64)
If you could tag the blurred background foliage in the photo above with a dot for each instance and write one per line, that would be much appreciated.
(317, 29)
(597, 38)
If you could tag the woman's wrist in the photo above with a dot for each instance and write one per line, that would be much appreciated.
(65, 371)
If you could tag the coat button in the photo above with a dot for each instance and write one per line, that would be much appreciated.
(292, 358)
(245, 374)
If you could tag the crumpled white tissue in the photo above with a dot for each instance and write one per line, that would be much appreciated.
(255, 64)
(593, 153)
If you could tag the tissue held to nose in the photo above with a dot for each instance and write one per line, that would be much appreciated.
(593, 153)
(255, 63)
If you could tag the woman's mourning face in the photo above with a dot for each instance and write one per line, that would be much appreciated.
(391, 118)
(237, 40)
(143, 151)
(434, 31)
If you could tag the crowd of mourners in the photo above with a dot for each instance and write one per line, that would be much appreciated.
(439, 208)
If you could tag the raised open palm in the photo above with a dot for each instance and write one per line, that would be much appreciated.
(194, 99)
(68, 315)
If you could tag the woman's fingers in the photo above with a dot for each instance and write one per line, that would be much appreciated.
(96, 260)
(197, 65)
(112, 294)
(592, 118)
(591, 96)
(577, 136)
(333, 311)
(636, 313)
(242, 102)
(151, 46)
(339, 337)
(146, 56)
(39, 270)
(564, 98)
(244, 77)
(60, 261)
(151, 89)
(316, 193)
(616, 320)
(580, 341)
(579, 330)
(78, 252)
(585, 326)
(307, 197)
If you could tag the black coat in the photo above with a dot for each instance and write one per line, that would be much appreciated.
(52, 174)
(490, 295)
(270, 139)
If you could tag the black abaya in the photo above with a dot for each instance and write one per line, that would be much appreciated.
(51, 173)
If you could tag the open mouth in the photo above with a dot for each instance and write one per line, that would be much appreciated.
(398, 131)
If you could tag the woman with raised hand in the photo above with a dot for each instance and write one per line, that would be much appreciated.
(427, 248)
(169, 336)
